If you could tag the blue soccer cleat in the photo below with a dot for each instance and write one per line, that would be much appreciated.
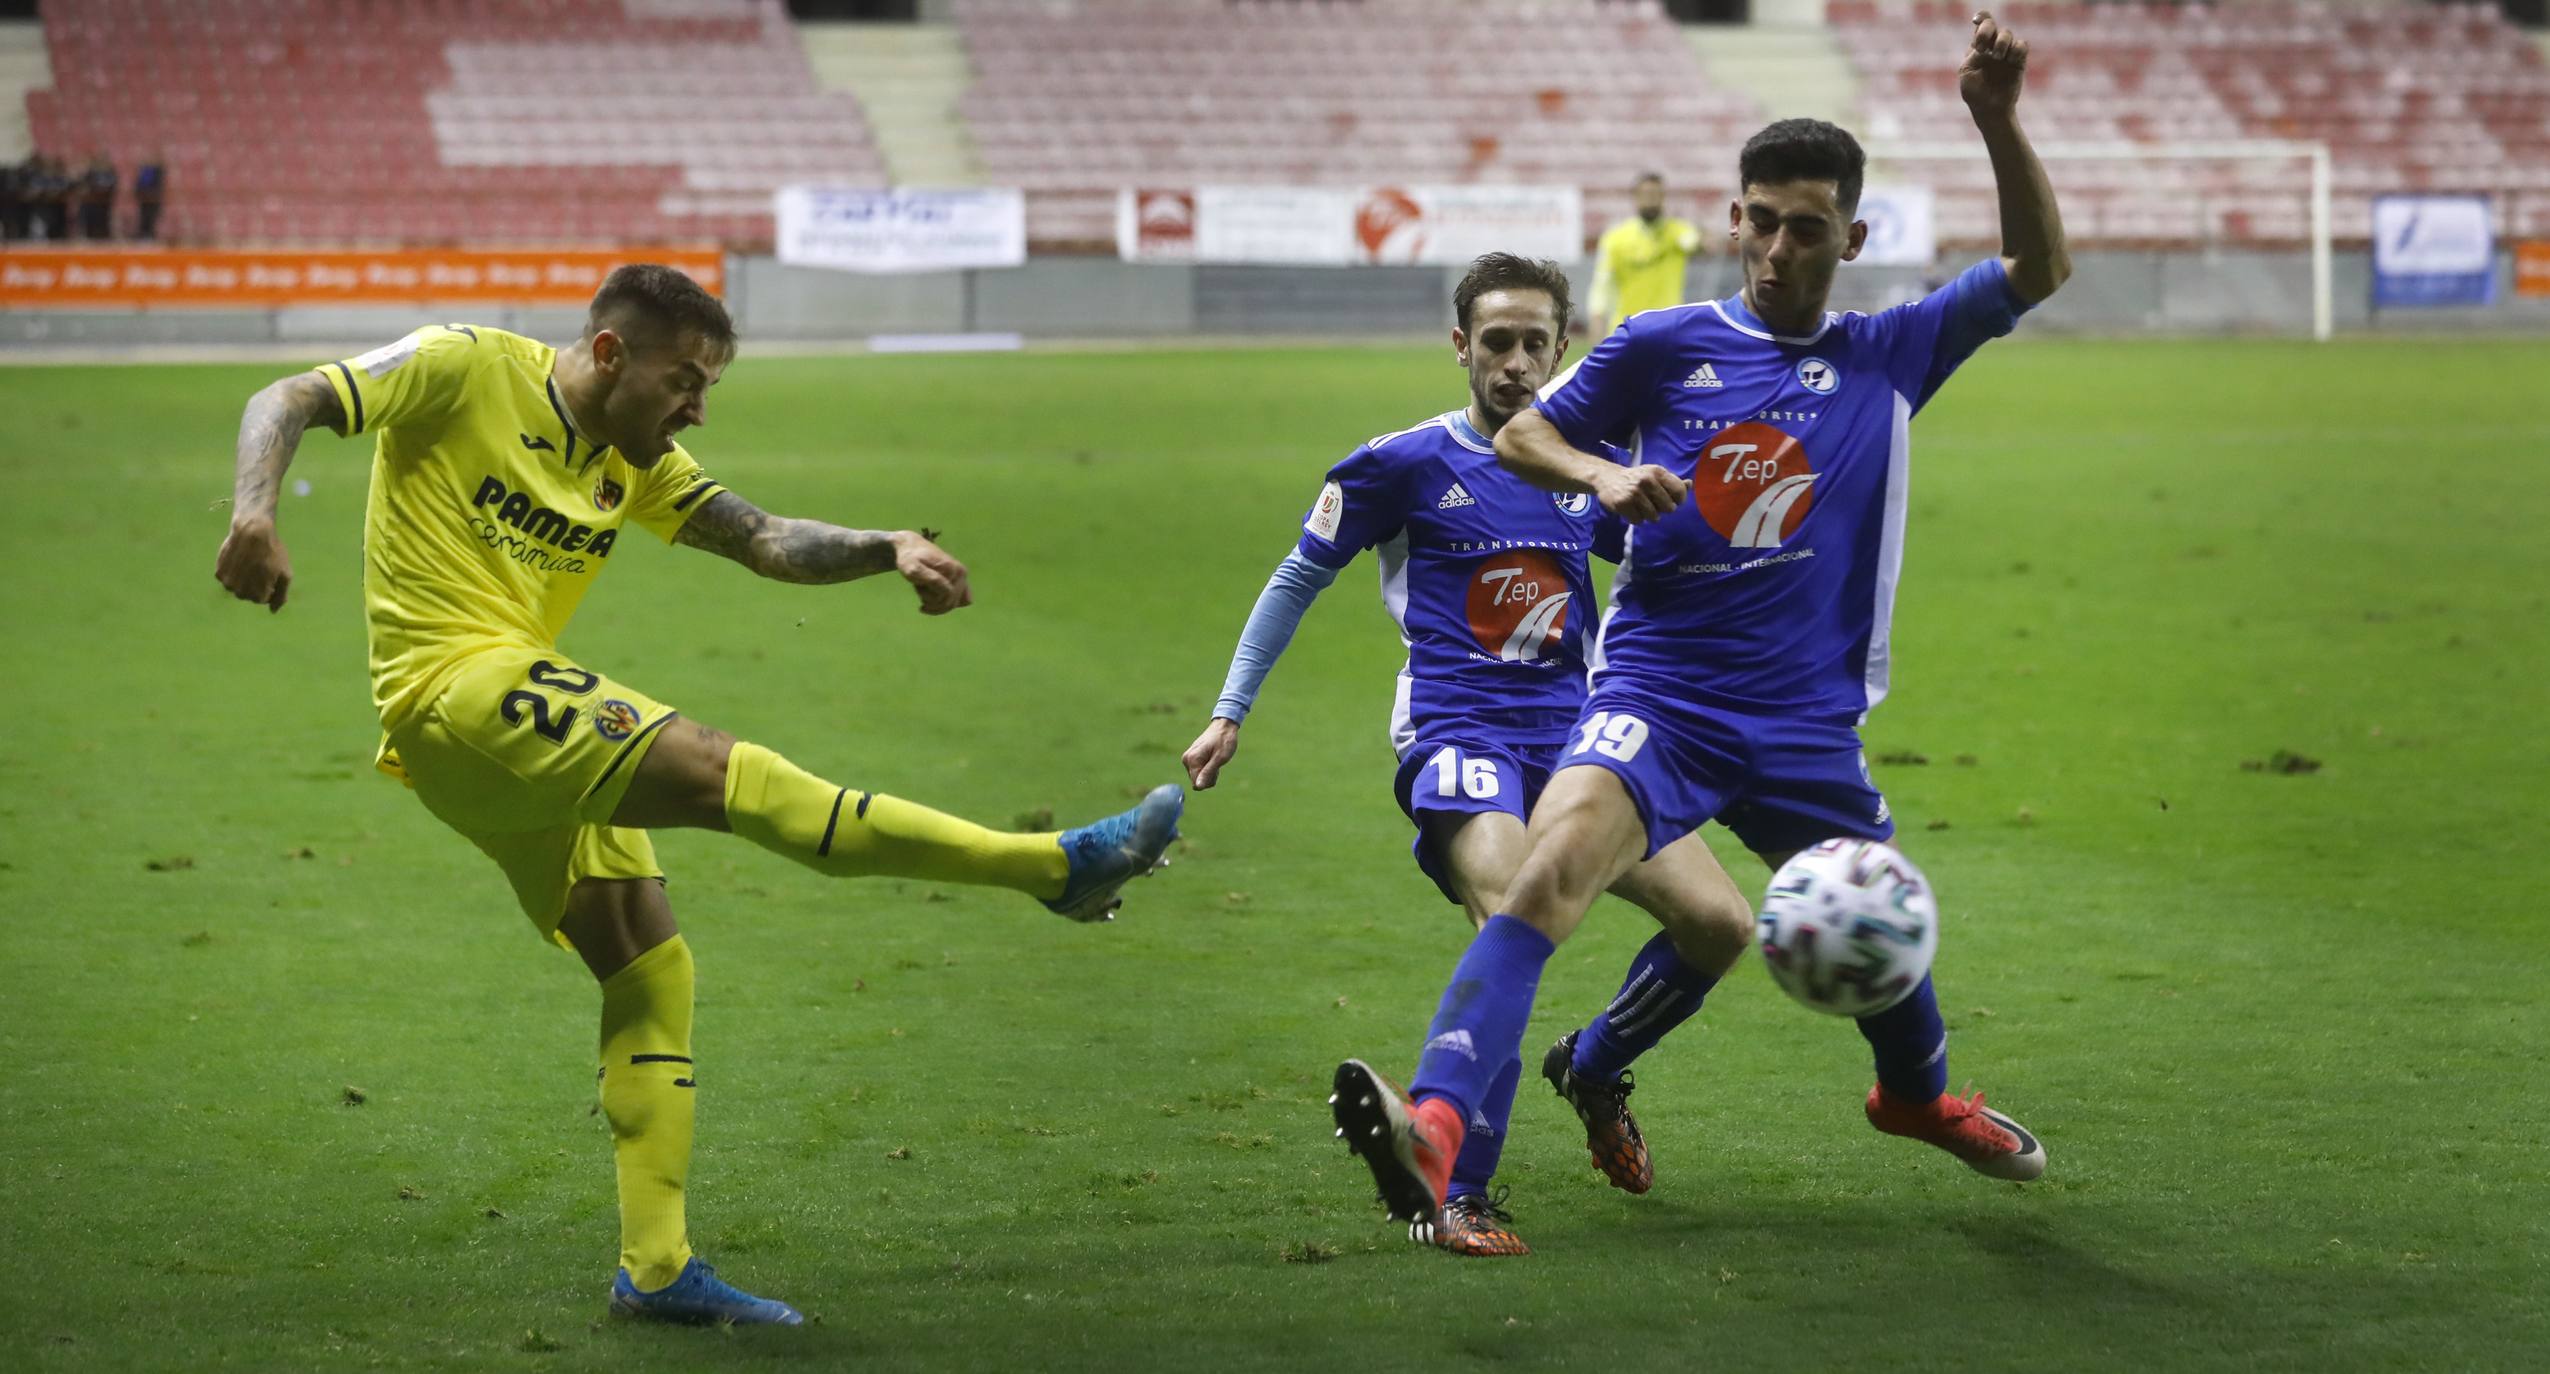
(1107, 854)
(699, 1298)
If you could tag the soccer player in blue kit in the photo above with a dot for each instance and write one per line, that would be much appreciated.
(1487, 578)
(1749, 631)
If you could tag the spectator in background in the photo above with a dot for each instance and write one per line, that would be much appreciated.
(97, 197)
(50, 194)
(1638, 263)
(150, 187)
(13, 204)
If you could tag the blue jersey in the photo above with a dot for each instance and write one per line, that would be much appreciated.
(1485, 575)
(1771, 589)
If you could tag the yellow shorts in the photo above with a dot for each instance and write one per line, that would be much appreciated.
(528, 755)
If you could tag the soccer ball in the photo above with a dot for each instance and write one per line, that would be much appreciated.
(1849, 927)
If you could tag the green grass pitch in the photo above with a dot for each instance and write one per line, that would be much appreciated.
(2283, 1031)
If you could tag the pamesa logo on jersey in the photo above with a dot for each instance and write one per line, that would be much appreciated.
(1753, 484)
(1518, 605)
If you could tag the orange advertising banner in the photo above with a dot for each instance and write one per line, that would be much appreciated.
(70, 279)
(2532, 267)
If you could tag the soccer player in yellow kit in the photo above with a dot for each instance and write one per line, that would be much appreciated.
(1639, 262)
(503, 475)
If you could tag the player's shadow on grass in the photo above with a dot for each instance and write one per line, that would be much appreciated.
(2026, 1256)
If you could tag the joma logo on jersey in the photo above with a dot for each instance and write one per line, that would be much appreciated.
(539, 522)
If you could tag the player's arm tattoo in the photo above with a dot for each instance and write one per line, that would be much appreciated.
(782, 549)
(269, 430)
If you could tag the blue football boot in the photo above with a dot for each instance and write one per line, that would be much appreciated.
(1107, 854)
(699, 1298)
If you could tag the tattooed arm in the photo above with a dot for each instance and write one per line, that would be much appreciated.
(811, 551)
(253, 563)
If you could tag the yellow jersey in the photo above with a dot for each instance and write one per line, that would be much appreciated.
(1639, 266)
(489, 514)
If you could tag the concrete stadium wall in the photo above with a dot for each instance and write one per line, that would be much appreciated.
(2111, 293)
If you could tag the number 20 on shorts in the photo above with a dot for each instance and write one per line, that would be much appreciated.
(571, 681)
(1456, 776)
(1612, 735)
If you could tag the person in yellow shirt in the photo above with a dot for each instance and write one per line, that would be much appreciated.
(1638, 263)
(503, 474)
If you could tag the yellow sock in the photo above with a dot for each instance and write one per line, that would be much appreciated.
(647, 1095)
(832, 829)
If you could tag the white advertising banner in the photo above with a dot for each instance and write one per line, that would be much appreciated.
(1260, 224)
(2433, 250)
(1449, 225)
(871, 230)
(1336, 226)
(1902, 226)
(2432, 234)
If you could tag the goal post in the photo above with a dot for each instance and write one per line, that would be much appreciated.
(2250, 193)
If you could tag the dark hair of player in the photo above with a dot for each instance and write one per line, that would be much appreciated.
(1507, 272)
(655, 304)
(1645, 177)
(1805, 150)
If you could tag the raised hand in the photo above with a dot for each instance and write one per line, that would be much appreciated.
(1996, 64)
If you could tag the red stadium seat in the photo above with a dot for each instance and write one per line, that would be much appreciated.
(2450, 98)
(435, 120)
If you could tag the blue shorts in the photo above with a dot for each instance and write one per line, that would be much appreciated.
(1467, 776)
(1779, 784)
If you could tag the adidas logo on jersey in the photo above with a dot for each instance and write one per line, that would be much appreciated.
(1455, 498)
(1705, 375)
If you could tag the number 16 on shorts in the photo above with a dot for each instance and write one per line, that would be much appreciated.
(1455, 776)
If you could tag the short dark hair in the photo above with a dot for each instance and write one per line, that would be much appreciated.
(1804, 150)
(1508, 272)
(1645, 177)
(660, 298)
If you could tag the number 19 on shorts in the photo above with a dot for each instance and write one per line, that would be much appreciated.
(1612, 735)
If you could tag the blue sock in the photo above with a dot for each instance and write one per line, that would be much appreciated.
(1479, 1025)
(1660, 993)
(1911, 1044)
(1476, 1164)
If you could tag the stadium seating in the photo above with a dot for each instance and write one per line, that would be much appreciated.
(430, 121)
(1074, 98)
(2424, 98)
